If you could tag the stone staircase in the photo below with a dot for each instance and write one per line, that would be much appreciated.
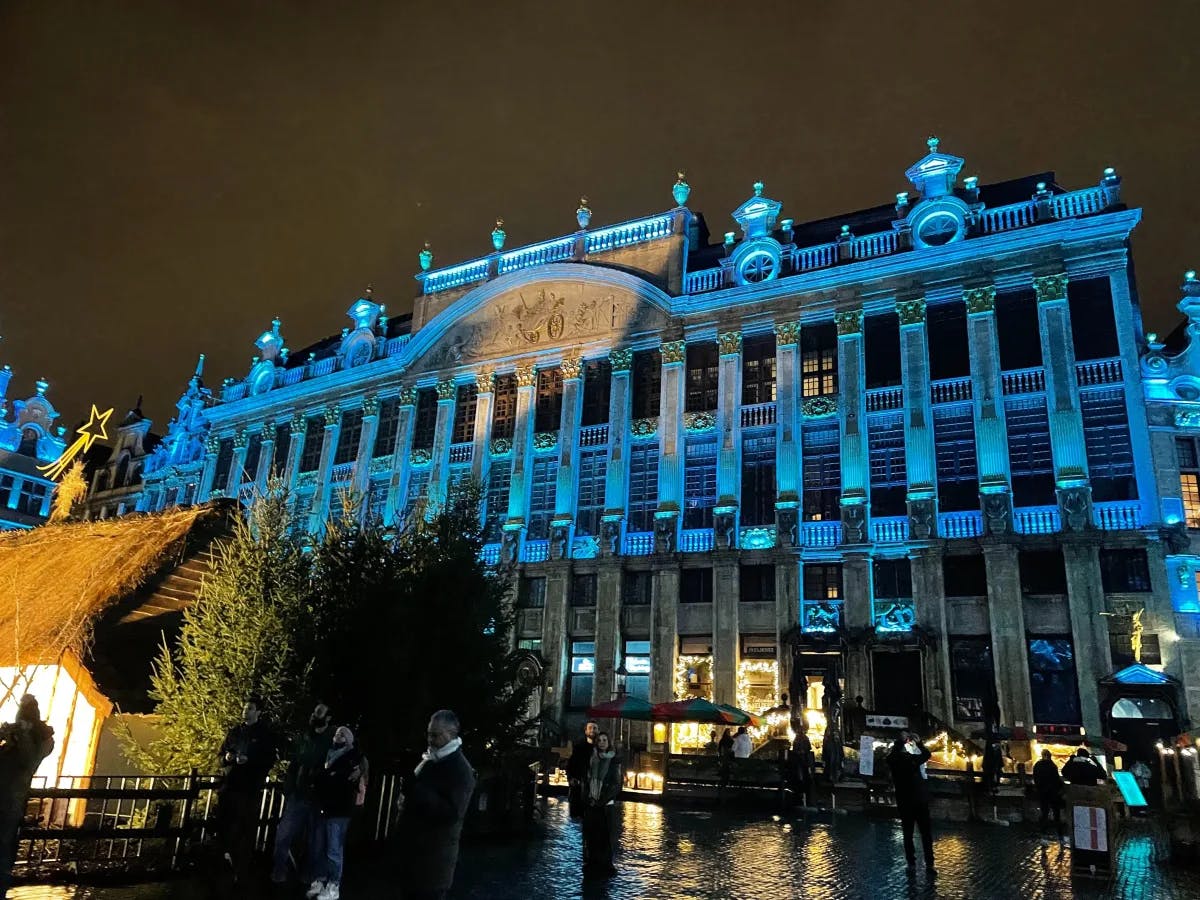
(178, 590)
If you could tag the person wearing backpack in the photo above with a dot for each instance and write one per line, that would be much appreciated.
(341, 785)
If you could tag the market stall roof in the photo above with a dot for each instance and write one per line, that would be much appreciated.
(697, 709)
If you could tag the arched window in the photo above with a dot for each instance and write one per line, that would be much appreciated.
(29, 439)
(122, 476)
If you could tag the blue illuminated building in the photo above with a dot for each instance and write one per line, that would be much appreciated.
(29, 437)
(924, 446)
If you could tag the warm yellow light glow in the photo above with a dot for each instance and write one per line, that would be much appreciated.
(758, 689)
(64, 707)
(88, 434)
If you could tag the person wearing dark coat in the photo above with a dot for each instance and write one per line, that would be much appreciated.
(300, 818)
(433, 806)
(1049, 785)
(800, 766)
(602, 787)
(246, 756)
(1083, 769)
(337, 797)
(907, 756)
(24, 743)
(577, 766)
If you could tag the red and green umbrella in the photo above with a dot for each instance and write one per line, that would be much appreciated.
(695, 709)
(623, 708)
(741, 716)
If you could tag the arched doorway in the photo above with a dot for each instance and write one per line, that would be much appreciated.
(1139, 707)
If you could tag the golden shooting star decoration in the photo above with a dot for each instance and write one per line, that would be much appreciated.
(88, 433)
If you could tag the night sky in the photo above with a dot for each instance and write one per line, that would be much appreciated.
(174, 175)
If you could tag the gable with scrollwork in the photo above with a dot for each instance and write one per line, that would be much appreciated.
(521, 316)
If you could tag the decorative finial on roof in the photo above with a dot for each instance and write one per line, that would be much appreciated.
(42, 384)
(200, 366)
(498, 234)
(425, 257)
(682, 190)
(368, 291)
(933, 143)
(758, 188)
(583, 215)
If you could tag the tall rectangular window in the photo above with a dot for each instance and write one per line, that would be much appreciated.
(893, 604)
(1188, 457)
(699, 482)
(957, 471)
(756, 584)
(702, 377)
(583, 590)
(758, 480)
(1124, 571)
(597, 388)
(971, 677)
(589, 506)
(504, 406)
(949, 349)
(635, 589)
(758, 370)
(822, 471)
(583, 671)
(889, 481)
(30, 498)
(964, 575)
(314, 439)
(1042, 572)
(821, 597)
(548, 402)
(643, 486)
(637, 664)
(425, 423)
(283, 439)
(464, 414)
(541, 496)
(253, 455)
(1093, 320)
(1029, 454)
(696, 586)
(531, 592)
(646, 382)
(881, 350)
(818, 360)
(1018, 329)
(496, 509)
(418, 485)
(1053, 686)
(224, 463)
(1107, 443)
(348, 437)
(389, 426)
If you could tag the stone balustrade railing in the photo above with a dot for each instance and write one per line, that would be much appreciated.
(342, 472)
(758, 414)
(966, 524)
(696, 540)
(950, 390)
(462, 453)
(1098, 371)
(821, 534)
(882, 399)
(535, 551)
(593, 435)
(1117, 515)
(1037, 520)
(638, 543)
(1024, 381)
(889, 529)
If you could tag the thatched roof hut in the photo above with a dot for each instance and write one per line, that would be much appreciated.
(83, 608)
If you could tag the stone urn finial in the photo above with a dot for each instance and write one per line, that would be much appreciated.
(583, 215)
(498, 234)
(758, 188)
(426, 257)
(682, 190)
(933, 143)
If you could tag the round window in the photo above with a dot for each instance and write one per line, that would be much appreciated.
(939, 228)
(758, 266)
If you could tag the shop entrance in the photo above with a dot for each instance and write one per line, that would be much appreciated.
(898, 685)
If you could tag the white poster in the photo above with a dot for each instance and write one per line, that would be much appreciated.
(866, 755)
(1091, 828)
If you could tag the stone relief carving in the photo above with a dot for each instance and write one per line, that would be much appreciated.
(724, 528)
(664, 535)
(787, 526)
(560, 536)
(610, 538)
(921, 524)
(997, 514)
(1075, 506)
(854, 524)
(509, 545)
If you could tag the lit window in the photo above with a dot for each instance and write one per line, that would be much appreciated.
(583, 668)
(1189, 479)
(819, 370)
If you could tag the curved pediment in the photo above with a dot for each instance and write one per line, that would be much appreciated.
(530, 312)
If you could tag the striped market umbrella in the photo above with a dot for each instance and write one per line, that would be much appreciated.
(742, 717)
(623, 708)
(695, 709)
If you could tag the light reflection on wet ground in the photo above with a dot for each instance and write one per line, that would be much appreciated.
(681, 853)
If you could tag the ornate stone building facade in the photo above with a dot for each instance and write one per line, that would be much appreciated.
(28, 438)
(907, 446)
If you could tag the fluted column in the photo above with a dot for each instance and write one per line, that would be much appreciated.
(929, 602)
(233, 482)
(616, 476)
(443, 432)
(920, 459)
(401, 461)
(729, 443)
(522, 450)
(1089, 628)
(608, 629)
(664, 631)
(266, 456)
(852, 400)
(485, 399)
(296, 435)
(212, 445)
(788, 456)
(1126, 319)
(554, 637)
(568, 450)
(362, 456)
(1006, 617)
(324, 488)
(856, 588)
(987, 392)
(1062, 403)
(670, 447)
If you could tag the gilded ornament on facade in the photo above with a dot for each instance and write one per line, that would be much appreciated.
(1050, 288)
(381, 464)
(825, 405)
(212, 444)
(848, 322)
(545, 440)
(420, 457)
(787, 333)
(240, 439)
(699, 421)
(674, 352)
(332, 414)
(446, 390)
(571, 366)
(980, 299)
(643, 427)
(621, 359)
(729, 343)
(526, 376)
(408, 396)
(370, 406)
(267, 430)
(501, 446)
(299, 423)
(911, 312)
(485, 382)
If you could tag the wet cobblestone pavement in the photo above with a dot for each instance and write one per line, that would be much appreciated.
(681, 853)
